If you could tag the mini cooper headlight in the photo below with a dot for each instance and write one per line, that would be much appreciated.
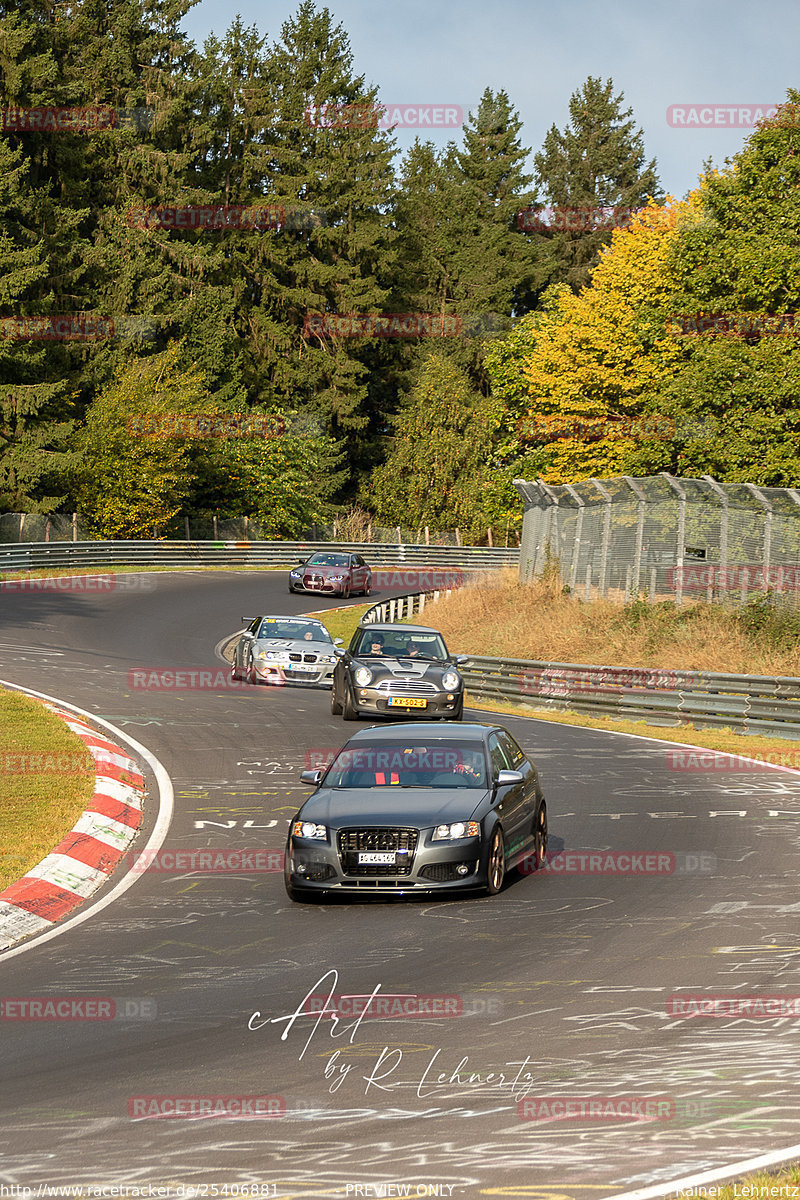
(307, 829)
(456, 830)
(363, 676)
(450, 681)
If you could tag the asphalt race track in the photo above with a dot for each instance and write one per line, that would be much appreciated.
(561, 983)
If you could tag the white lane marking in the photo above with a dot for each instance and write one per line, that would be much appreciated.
(746, 1166)
(166, 805)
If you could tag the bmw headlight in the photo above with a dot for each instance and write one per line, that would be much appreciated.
(455, 831)
(299, 571)
(328, 658)
(363, 676)
(307, 829)
(450, 681)
(337, 578)
(269, 654)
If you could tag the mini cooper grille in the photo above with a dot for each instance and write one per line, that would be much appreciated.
(407, 687)
(352, 842)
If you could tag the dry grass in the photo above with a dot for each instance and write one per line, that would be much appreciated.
(39, 801)
(506, 619)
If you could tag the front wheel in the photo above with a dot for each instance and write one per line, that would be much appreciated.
(349, 710)
(251, 673)
(367, 587)
(336, 708)
(540, 837)
(496, 869)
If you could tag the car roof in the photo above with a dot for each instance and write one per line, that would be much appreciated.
(391, 626)
(462, 731)
(289, 617)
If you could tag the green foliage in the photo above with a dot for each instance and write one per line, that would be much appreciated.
(769, 622)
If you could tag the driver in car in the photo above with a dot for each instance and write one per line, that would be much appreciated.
(376, 644)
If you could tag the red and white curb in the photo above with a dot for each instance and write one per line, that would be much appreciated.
(84, 859)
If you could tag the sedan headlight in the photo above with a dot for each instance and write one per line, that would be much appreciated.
(363, 676)
(307, 829)
(455, 831)
(450, 681)
(328, 658)
(337, 578)
(269, 654)
(299, 571)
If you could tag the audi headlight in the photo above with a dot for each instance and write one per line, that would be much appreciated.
(455, 831)
(450, 681)
(307, 829)
(363, 676)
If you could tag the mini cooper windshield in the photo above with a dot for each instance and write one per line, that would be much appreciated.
(398, 644)
(414, 764)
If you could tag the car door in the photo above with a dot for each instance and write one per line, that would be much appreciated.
(510, 801)
(530, 793)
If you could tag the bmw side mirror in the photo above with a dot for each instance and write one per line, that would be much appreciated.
(301, 561)
(311, 776)
(338, 641)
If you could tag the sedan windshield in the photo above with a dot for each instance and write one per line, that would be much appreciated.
(328, 560)
(438, 764)
(294, 631)
(398, 644)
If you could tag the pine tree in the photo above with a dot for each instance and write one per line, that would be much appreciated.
(594, 174)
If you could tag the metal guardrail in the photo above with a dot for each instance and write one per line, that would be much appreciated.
(28, 556)
(754, 704)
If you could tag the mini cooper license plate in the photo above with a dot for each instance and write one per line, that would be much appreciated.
(406, 702)
(376, 858)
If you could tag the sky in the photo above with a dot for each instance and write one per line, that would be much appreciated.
(711, 57)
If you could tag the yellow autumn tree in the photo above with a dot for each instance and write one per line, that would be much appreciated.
(594, 354)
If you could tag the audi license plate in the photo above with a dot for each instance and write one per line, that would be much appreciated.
(404, 702)
(377, 858)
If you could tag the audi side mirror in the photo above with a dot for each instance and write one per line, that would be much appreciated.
(311, 777)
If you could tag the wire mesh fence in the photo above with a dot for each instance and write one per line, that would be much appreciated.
(70, 527)
(664, 537)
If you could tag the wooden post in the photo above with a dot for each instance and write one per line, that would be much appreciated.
(427, 536)
(247, 529)
(458, 536)
(369, 532)
(47, 530)
(216, 534)
(21, 523)
(489, 535)
(74, 527)
(186, 526)
(652, 584)
(399, 539)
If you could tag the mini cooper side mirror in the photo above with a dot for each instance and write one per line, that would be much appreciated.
(311, 776)
(458, 659)
(338, 650)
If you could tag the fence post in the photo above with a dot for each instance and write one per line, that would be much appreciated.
(681, 547)
(723, 528)
(458, 536)
(762, 499)
(652, 584)
(74, 527)
(47, 530)
(642, 500)
(576, 541)
(216, 534)
(606, 536)
(247, 529)
(587, 595)
(427, 537)
(627, 583)
(489, 535)
(21, 523)
(186, 527)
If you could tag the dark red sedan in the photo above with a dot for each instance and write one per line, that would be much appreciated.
(332, 573)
